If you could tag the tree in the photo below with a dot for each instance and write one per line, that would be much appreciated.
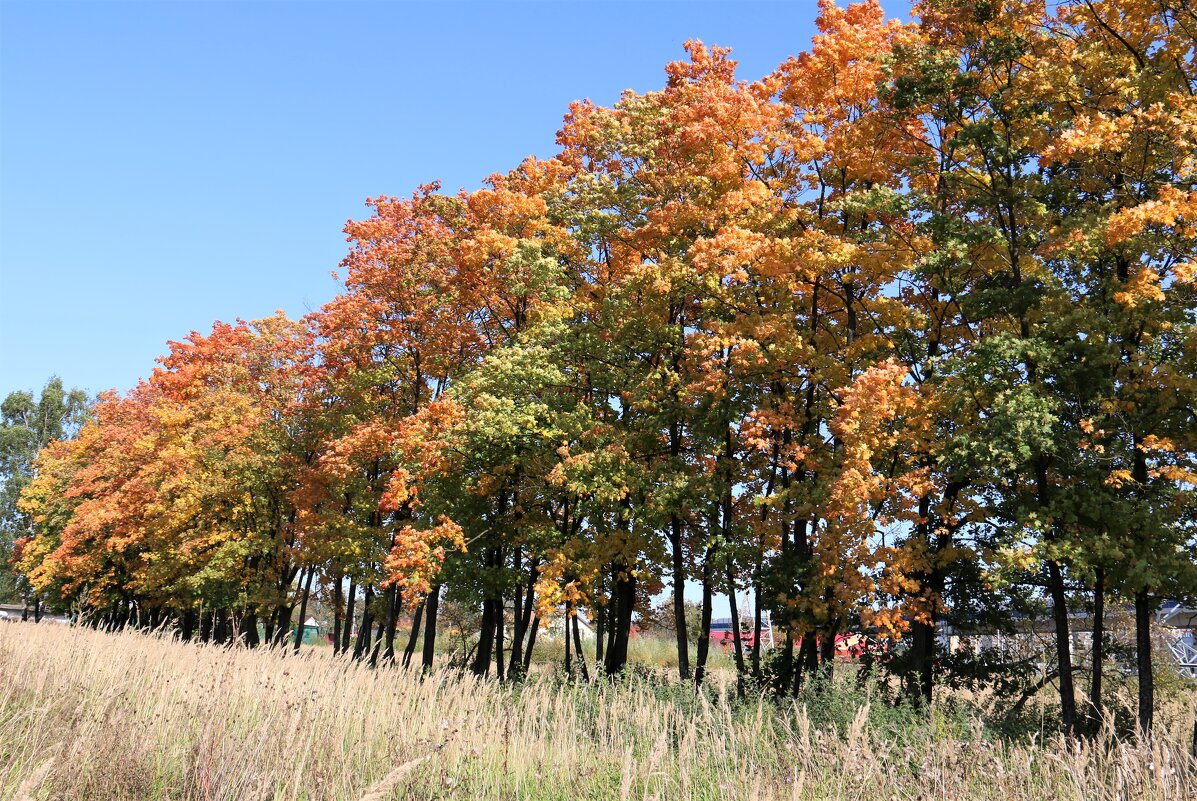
(26, 427)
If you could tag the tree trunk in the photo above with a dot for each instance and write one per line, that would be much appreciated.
(363, 633)
(921, 679)
(808, 650)
(517, 618)
(531, 643)
(600, 629)
(523, 619)
(486, 635)
(578, 648)
(486, 640)
(282, 625)
(784, 680)
(1063, 647)
(336, 639)
(393, 602)
(756, 629)
(735, 624)
(679, 597)
(808, 658)
(704, 632)
(500, 669)
(625, 601)
(351, 601)
(922, 652)
(569, 668)
(827, 651)
(430, 610)
(187, 625)
(376, 645)
(1097, 652)
(206, 619)
(1143, 660)
(249, 630)
(415, 634)
(303, 608)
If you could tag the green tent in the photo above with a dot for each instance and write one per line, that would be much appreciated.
(311, 631)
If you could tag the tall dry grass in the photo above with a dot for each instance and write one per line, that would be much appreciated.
(93, 715)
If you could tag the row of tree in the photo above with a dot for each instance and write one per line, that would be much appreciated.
(902, 332)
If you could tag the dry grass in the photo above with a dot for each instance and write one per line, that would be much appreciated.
(96, 716)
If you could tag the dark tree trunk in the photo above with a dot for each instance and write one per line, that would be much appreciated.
(187, 625)
(517, 618)
(393, 602)
(415, 634)
(808, 647)
(336, 638)
(827, 650)
(756, 629)
(1097, 652)
(281, 631)
(486, 640)
(735, 624)
(486, 635)
(249, 630)
(785, 677)
(500, 668)
(362, 643)
(282, 625)
(922, 651)
(704, 630)
(350, 602)
(610, 630)
(600, 631)
(1143, 660)
(531, 643)
(578, 648)
(569, 667)
(922, 647)
(621, 628)
(222, 626)
(206, 620)
(679, 597)
(1063, 647)
(808, 658)
(523, 619)
(376, 646)
(303, 608)
(430, 610)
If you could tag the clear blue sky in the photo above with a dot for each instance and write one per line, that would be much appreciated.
(164, 165)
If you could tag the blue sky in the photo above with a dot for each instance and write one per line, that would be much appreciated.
(164, 165)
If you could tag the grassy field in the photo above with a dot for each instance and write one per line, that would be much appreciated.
(96, 716)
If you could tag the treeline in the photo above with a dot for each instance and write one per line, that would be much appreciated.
(903, 332)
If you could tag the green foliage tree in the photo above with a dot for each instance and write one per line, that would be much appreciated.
(27, 425)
